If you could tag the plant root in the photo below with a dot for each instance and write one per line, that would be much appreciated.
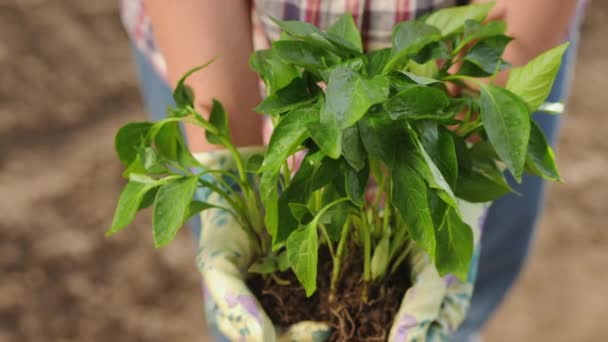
(350, 318)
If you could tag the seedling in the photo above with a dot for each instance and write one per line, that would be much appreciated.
(388, 151)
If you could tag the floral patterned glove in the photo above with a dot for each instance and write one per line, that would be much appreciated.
(434, 307)
(430, 310)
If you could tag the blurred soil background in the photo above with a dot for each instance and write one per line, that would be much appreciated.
(67, 83)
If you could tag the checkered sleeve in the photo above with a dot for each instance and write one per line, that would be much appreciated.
(375, 18)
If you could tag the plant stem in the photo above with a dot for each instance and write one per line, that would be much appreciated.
(380, 192)
(329, 244)
(197, 119)
(386, 217)
(401, 258)
(286, 174)
(467, 128)
(318, 200)
(367, 251)
(225, 195)
(252, 209)
(338, 260)
(238, 159)
(398, 238)
(221, 173)
(179, 167)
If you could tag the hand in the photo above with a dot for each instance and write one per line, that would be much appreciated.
(435, 306)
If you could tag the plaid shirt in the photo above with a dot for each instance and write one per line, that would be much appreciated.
(375, 18)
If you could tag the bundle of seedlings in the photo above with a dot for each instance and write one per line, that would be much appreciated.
(373, 182)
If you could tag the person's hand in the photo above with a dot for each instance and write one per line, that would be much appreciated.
(225, 252)
(434, 307)
(431, 309)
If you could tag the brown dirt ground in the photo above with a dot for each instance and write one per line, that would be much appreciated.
(66, 85)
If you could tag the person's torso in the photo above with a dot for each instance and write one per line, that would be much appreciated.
(375, 18)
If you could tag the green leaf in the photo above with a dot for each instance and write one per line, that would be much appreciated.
(353, 149)
(152, 163)
(438, 208)
(540, 159)
(304, 54)
(301, 213)
(468, 69)
(380, 258)
(376, 61)
(473, 30)
(170, 144)
(355, 184)
(303, 250)
(307, 33)
(303, 254)
(287, 98)
(289, 133)
(269, 196)
(428, 69)
(432, 52)
(455, 247)
(129, 202)
(324, 173)
(219, 119)
(483, 151)
(507, 123)
(356, 64)
(170, 207)
(411, 202)
(463, 155)
(129, 138)
(349, 96)
(315, 172)
(420, 79)
(452, 19)
(439, 145)
(328, 137)
(487, 53)
(266, 265)
(484, 183)
(183, 95)
(184, 156)
(136, 167)
(381, 136)
(275, 73)
(399, 82)
(141, 178)
(196, 207)
(283, 261)
(166, 140)
(296, 28)
(149, 198)
(417, 102)
(409, 38)
(338, 214)
(254, 163)
(533, 81)
(419, 159)
(346, 29)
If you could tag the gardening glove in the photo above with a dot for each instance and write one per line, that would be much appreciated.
(435, 306)
(225, 252)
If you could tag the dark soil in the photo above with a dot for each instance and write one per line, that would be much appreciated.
(352, 319)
